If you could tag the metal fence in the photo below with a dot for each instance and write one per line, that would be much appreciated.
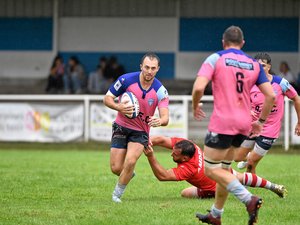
(192, 129)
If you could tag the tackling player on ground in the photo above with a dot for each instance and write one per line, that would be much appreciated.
(131, 135)
(272, 125)
(190, 167)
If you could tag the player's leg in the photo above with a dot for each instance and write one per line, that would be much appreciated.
(134, 151)
(226, 181)
(242, 153)
(136, 142)
(118, 148)
(216, 150)
(190, 192)
(117, 157)
(262, 145)
(213, 169)
(252, 180)
(194, 192)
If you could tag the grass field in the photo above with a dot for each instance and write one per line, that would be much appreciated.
(72, 184)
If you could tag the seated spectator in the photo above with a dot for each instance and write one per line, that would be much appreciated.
(74, 79)
(55, 79)
(97, 84)
(287, 74)
(113, 69)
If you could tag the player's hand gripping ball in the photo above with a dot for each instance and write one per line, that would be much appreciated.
(131, 99)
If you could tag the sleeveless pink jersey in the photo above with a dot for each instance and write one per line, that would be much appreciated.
(233, 74)
(272, 125)
(155, 96)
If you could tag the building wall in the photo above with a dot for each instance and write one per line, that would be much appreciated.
(182, 32)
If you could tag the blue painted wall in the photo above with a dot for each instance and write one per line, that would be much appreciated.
(130, 61)
(19, 34)
(195, 35)
(261, 34)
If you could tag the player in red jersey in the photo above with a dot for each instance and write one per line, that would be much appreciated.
(190, 167)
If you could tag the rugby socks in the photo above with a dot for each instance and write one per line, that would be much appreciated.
(239, 191)
(216, 212)
(252, 180)
(119, 190)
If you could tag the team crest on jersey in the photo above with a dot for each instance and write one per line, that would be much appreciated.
(117, 85)
(150, 101)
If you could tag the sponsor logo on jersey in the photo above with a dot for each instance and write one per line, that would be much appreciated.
(117, 85)
(150, 101)
(239, 64)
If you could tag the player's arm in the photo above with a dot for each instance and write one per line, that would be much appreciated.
(163, 141)
(164, 116)
(296, 101)
(197, 93)
(158, 170)
(163, 119)
(268, 92)
(109, 101)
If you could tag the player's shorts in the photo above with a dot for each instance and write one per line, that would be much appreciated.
(223, 141)
(122, 135)
(205, 193)
(261, 144)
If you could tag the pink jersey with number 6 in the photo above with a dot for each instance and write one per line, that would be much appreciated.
(233, 74)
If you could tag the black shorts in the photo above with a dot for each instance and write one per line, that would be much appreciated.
(263, 142)
(223, 141)
(122, 135)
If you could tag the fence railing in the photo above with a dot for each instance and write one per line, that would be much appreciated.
(87, 99)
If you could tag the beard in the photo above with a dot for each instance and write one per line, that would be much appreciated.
(177, 160)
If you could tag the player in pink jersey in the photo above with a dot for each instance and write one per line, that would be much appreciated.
(272, 126)
(190, 167)
(131, 135)
(233, 74)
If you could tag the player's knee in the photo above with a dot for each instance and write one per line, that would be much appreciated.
(210, 167)
(189, 192)
(208, 172)
(252, 162)
(238, 157)
(129, 164)
(185, 194)
(116, 169)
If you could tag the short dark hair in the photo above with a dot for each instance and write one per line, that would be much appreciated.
(187, 148)
(75, 59)
(150, 55)
(263, 56)
(233, 34)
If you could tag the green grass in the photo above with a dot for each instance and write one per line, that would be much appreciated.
(56, 184)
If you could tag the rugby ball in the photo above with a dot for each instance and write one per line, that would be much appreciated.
(132, 100)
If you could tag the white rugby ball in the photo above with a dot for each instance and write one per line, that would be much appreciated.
(132, 100)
